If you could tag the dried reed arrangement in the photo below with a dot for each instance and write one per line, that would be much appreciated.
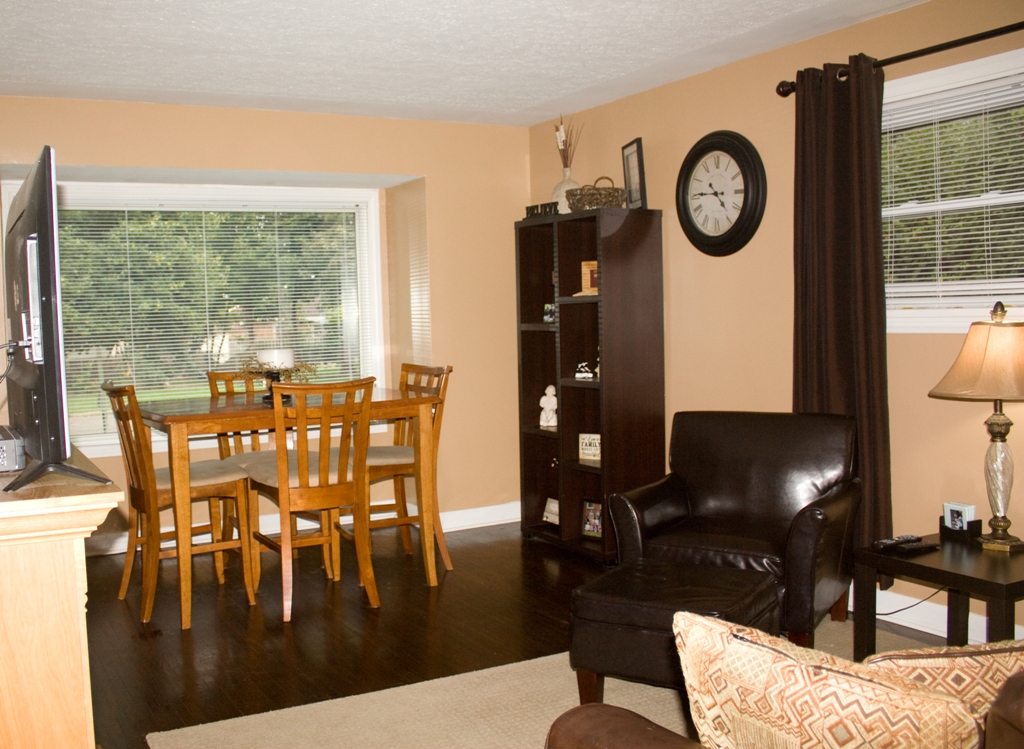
(249, 367)
(566, 138)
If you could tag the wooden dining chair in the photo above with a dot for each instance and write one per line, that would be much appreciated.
(149, 491)
(398, 460)
(238, 447)
(325, 473)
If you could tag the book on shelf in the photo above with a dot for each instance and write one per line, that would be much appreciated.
(551, 511)
(592, 521)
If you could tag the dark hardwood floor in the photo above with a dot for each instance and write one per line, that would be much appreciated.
(507, 600)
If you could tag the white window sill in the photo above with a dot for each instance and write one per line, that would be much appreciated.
(942, 320)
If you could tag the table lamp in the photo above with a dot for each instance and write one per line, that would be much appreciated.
(990, 366)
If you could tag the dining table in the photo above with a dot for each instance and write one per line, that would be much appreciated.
(185, 418)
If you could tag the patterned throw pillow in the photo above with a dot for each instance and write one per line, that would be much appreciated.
(749, 689)
(973, 674)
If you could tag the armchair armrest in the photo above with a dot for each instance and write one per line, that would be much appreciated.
(817, 555)
(638, 513)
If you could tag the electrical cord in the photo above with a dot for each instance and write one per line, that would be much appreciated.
(12, 348)
(905, 608)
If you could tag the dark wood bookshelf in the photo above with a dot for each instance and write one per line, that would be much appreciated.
(621, 328)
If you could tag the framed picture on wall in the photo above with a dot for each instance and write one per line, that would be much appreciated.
(633, 174)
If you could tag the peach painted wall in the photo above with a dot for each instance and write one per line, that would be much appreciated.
(476, 184)
(729, 320)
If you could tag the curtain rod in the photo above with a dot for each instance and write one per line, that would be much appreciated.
(785, 88)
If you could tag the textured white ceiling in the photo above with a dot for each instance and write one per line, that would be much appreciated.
(517, 62)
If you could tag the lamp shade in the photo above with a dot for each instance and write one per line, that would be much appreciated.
(278, 358)
(990, 365)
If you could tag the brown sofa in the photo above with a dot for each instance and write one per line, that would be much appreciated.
(747, 688)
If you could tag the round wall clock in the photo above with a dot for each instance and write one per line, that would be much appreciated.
(720, 193)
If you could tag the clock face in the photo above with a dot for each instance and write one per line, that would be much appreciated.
(715, 193)
(721, 192)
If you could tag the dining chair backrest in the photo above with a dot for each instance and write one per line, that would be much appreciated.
(232, 383)
(328, 423)
(420, 380)
(136, 444)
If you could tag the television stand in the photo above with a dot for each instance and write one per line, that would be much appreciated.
(36, 469)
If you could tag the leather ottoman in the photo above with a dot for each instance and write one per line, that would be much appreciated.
(621, 623)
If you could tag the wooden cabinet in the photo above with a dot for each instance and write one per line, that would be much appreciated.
(619, 333)
(45, 693)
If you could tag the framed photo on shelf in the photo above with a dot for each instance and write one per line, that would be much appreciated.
(633, 174)
(592, 522)
(551, 511)
(588, 278)
(590, 449)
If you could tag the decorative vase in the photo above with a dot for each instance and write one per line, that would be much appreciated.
(558, 194)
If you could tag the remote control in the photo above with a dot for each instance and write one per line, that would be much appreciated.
(886, 544)
(915, 547)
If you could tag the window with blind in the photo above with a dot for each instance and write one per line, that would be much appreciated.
(953, 194)
(177, 281)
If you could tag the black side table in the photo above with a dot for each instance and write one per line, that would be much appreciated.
(964, 568)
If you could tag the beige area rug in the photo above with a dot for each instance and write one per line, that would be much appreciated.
(509, 707)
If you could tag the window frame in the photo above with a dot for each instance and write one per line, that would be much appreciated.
(104, 195)
(936, 85)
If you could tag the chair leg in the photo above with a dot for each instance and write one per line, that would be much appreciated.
(402, 510)
(129, 556)
(253, 507)
(241, 513)
(229, 511)
(326, 550)
(840, 607)
(286, 565)
(442, 545)
(215, 536)
(803, 639)
(590, 686)
(361, 534)
(150, 565)
(334, 519)
(295, 532)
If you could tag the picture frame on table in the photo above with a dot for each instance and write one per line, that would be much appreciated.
(633, 174)
(956, 515)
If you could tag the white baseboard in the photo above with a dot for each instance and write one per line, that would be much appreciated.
(454, 520)
(928, 617)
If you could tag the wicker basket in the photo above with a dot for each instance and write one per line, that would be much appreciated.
(592, 196)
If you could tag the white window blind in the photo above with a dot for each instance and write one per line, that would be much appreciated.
(176, 281)
(953, 198)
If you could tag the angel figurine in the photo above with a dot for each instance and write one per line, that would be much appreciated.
(549, 408)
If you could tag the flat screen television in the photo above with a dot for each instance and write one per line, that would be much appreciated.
(36, 392)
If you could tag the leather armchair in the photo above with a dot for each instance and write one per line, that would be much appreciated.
(773, 492)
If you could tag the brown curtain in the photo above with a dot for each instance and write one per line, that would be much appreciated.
(839, 360)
